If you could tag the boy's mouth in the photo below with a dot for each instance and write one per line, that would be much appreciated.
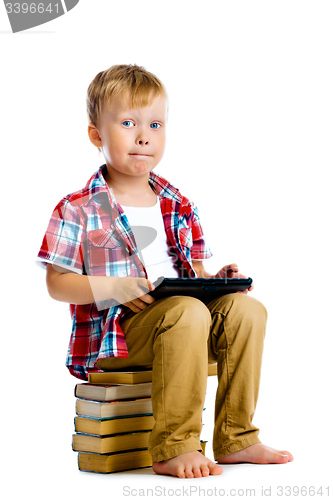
(139, 154)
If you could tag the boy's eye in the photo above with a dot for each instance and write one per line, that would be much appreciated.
(128, 123)
(155, 125)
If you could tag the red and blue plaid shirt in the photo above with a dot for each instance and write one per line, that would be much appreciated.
(89, 234)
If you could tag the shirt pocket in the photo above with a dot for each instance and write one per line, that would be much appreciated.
(106, 238)
(185, 237)
(106, 253)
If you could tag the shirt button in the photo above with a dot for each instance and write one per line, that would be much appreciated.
(142, 273)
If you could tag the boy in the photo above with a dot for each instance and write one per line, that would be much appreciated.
(102, 256)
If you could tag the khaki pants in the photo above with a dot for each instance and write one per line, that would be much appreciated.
(176, 336)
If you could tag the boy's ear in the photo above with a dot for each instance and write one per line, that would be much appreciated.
(94, 136)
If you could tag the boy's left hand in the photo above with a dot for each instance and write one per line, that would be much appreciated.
(231, 271)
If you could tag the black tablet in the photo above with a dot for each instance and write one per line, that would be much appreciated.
(200, 288)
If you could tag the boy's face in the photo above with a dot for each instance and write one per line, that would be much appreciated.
(133, 139)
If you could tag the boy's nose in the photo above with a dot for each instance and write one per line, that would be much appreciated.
(142, 142)
(142, 138)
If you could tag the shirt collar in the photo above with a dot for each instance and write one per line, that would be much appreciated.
(97, 185)
(163, 188)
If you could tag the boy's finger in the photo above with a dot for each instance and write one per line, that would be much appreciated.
(147, 298)
(230, 266)
(143, 284)
(146, 285)
(139, 303)
(132, 306)
(151, 286)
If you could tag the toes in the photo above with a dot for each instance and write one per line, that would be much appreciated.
(188, 473)
(282, 458)
(187, 466)
(215, 469)
(291, 458)
(197, 472)
(181, 472)
(205, 471)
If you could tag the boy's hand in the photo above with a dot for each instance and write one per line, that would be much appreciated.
(231, 271)
(132, 293)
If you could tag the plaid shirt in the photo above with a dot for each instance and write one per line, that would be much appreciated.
(89, 234)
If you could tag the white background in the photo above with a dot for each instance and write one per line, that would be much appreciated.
(250, 141)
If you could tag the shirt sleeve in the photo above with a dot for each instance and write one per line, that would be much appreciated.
(199, 249)
(63, 242)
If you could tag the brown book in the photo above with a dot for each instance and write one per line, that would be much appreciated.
(212, 370)
(114, 425)
(110, 444)
(114, 408)
(137, 377)
(114, 462)
(113, 392)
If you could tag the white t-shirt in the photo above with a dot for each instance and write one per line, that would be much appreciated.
(149, 233)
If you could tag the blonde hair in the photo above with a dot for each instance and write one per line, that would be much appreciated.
(120, 81)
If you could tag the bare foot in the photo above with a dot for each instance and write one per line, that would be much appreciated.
(257, 454)
(189, 465)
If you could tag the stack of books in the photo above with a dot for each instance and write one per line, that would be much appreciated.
(113, 421)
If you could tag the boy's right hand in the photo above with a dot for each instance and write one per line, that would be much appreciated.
(133, 293)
